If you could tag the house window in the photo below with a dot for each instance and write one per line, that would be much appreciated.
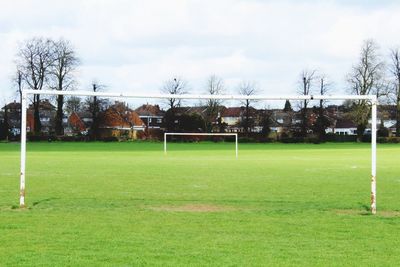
(149, 120)
(159, 120)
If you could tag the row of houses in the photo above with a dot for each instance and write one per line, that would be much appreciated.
(117, 120)
(120, 121)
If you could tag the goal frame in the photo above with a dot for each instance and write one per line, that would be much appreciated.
(27, 92)
(202, 134)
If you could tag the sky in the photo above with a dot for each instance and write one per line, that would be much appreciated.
(135, 46)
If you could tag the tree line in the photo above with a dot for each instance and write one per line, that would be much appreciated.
(370, 75)
(51, 64)
(46, 63)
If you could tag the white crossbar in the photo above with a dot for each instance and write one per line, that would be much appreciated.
(191, 96)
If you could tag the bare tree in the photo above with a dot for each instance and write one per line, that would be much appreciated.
(322, 121)
(73, 104)
(34, 60)
(17, 81)
(95, 105)
(5, 125)
(247, 88)
(65, 62)
(395, 71)
(324, 88)
(307, 79)
(215, 86)
(365, 79)
(174, 86)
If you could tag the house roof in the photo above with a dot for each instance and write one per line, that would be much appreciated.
(119, 116)
(12, 106)
(44, 105)
(149, 110)
(232, 112)
(84, 114)
(345, 123)
(188, 110)
(76, 122)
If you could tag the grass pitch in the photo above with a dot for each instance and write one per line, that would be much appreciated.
(126, 204)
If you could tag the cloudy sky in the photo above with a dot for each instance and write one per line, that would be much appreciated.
(134, 46)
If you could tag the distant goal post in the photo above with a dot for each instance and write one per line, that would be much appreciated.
(202, 134)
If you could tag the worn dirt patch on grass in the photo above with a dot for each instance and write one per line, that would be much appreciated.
(382, 213)
(194, 208)
(13, 208)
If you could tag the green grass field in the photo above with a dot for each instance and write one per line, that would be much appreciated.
(126, 204)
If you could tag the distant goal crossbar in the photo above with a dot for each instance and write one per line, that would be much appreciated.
(202, 134)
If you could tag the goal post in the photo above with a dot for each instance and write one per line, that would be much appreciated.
(371, 98)
(202, 134)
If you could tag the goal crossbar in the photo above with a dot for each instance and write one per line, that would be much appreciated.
(202, 134)
(371, 98)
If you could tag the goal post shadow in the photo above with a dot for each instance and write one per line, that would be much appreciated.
(371, 98)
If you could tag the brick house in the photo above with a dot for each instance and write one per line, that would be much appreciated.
(47, 113)
(151, 115)
(121, 122)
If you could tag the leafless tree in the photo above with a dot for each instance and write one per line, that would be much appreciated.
(247, 88)
(18, 81)
(174, 86)
(65, 62)
(365, 78)
(322, 121)
(73, 104)
(324, 88)
(215, 86)
(395, 71)
(307, 79)
(95, 105)
(34, 60)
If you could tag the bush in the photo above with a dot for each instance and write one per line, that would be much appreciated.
(331, 137)
(78, 138)
(313, 140)
(366, 138)
(38, 138)
(383, 132)
(246, 140)
(392, 140)
(288, 140)
(110, 139)
(382, 140)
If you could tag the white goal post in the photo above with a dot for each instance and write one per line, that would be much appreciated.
(371, 98)
(202, 134)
